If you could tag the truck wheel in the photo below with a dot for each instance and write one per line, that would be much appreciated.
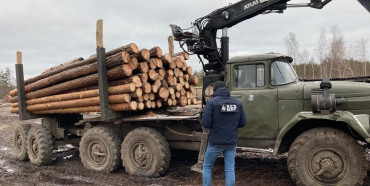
(20, 133)
(99, 150)
(145, 152)
(39, 145)
(326, 156)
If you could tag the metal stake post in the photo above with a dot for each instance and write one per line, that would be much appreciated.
(106, 112)
(23, 113)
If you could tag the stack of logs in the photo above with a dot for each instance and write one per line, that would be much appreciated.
(138, 80)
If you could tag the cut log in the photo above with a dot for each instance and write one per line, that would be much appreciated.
(142, 55)
(143, 67)
(148, 104)
(153, 104)
(181, 81)
(161, 73)
(130, 48)
(186, 77)
(137, 93)
(158, 104)
(189, 101)
(186, 85)
(163, 93)
(172, 96)
(192, 89)
(194, 101)
(151, 96)
(178, 62)
(166, 60)
(145, 97)
(147, 88)
(194, 80)
(144, 77)
(168, 102)
(177, 94)
(121, 71)
(112, 61)
(154, 89)
(171, 80)
(183, 92)
(159, 63)
(80, 95)
(153, 75)
(135, 79)
(176, 72)
(140, 106)
(7, 98)
(182, 58)
(181, 73)
(169, 72)
(184, 67)
(133, 63)
(171, 90)
(156, 52)
(178, 87)
(184, 54)
(139, 99)
(164, 83)
(152, 63)
(183, 101)
(93, 101)
(63, 64)
(158, 83)
(174, 102)
(132, 106)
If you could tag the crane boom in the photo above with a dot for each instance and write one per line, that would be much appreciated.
(202, 39)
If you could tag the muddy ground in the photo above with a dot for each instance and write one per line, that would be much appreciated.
(251, 168)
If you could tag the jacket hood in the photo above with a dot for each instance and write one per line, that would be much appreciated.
(222, 92)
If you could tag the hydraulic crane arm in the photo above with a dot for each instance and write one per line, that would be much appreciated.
(202, 39)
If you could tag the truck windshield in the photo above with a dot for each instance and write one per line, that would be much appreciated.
(282, 73)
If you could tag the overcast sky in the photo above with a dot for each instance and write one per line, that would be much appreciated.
(50, 32)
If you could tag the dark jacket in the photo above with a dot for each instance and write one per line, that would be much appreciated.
(223, 114)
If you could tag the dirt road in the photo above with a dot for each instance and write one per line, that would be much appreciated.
(66, 169)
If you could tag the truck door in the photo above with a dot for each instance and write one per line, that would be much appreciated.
(248, 84)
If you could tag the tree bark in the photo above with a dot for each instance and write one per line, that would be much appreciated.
(155, 52)
(63, 64)
(142, 55)
(194, 80)
(130, 48)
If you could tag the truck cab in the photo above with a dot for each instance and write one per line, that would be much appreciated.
(282, 116)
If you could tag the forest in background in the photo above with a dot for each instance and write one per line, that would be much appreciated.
(332, 57)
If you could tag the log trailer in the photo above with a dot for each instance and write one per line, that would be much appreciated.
(324, 126)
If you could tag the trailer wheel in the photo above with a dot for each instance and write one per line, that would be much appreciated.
(20, 133)
(145, 152)
(39, 145)
(326, 156)
(99, 150)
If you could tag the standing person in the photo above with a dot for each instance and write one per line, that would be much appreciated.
(223, 115)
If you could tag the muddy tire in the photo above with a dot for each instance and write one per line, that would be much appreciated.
(99, 150)
(20, 133)
(326, 156)
(39, 145)
(145, 152)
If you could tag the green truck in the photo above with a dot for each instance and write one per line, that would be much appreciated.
(325, 142)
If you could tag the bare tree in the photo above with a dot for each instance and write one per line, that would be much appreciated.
(362, 53)
(292, 46)
(321, 51)
(338, 65)
(304, 57)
